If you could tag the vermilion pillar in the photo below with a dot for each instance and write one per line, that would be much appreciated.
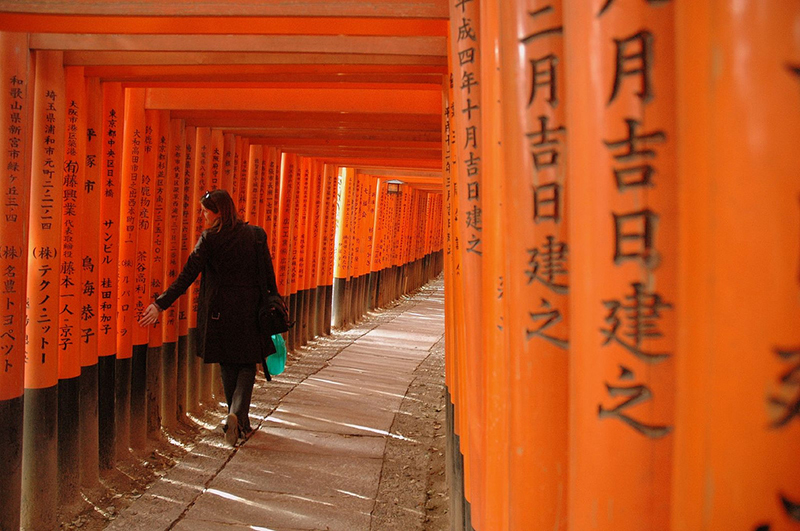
(216, 161)
(132, 155)
(110, 165)
(737, 428)
(89, 195)
(327, 250)
(622, 212)
(14, 131)
(40, 457)
(173, 377)
(465, 23)
(188, 385)
(495, 275)
(536, 284)
(69, 310)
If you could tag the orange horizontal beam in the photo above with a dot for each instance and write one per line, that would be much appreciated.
(42, 23)
(305, 119)
(94, 58)
(274, 135)
(269, 72)
(361, 152)
(221, 8)
(388, 45)
(337, 100)
(343, 143)
(437, 87)
(383, 162)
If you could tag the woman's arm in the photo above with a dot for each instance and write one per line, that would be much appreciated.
(194, 265)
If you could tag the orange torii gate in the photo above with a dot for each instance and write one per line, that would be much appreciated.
(610, 187)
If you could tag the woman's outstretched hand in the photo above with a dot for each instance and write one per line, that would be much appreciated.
(149, 315)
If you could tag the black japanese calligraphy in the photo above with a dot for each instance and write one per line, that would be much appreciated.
(642, 311)
(634, 238)
(548, 265)
(554, 30)
(636, 394)
(634, 63)
(551, 316)
(787, 403)
(544, 144)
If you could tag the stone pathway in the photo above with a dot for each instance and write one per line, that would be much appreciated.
(316, 460)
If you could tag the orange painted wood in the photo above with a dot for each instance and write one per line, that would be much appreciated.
(495, 277)
(253, 184)
(72, 224)
(188, 240)
(132, 154)
(198, 222)
(379, 228)
(136, 58)
(203, 157)
(145, 222)
(623, 232)
(237, 162)
(271, 191)
(536, 283)
(216, 162)
(229, 162)
(285, 223)
(328, 247)
(343, 223)
(47, 159)
(173, 221)
(241, 183)
(161, 201)
(14, 134)
(299, 233)
(43, 23)
(465, 23)
(315, 225)
(111, 193)
(736, 419)
(341, 100)
(270, 8)
(90, 195)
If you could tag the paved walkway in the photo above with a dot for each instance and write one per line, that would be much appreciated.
(325, 428)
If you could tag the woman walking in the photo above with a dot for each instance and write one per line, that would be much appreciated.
(228, 254)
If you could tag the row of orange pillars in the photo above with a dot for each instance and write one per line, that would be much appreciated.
(620, 212)
(85, 247)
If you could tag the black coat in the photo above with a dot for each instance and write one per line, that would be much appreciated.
(227, 325)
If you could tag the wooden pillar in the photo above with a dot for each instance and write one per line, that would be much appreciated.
(496, 275)
(89, 280)
(149, 263)
(536, 284)
(284, 221)
(328, 249)
(736, 427)
(69, 360)
(132, 151)
(186, 353)
(160, 360)
(197, 380)
(465, 49)
(228, 162)
(216, 159)
(14, 137)
(342, 245)
(40, 430)
(173, 398)
(111, 162)
(202, 178)
(312, 248)
(623, 231)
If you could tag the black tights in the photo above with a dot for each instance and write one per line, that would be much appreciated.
(237, 381)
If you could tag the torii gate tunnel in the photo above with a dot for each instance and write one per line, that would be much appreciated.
(611, 187)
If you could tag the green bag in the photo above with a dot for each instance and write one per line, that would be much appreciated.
(277, 362)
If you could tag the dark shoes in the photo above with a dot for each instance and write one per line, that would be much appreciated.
(232, 429)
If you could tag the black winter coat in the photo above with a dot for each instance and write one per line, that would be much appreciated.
(227, 312)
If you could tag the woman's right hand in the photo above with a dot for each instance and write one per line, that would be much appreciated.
(149, 315)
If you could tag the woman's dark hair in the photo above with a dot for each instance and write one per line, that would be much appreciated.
(220, 202)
